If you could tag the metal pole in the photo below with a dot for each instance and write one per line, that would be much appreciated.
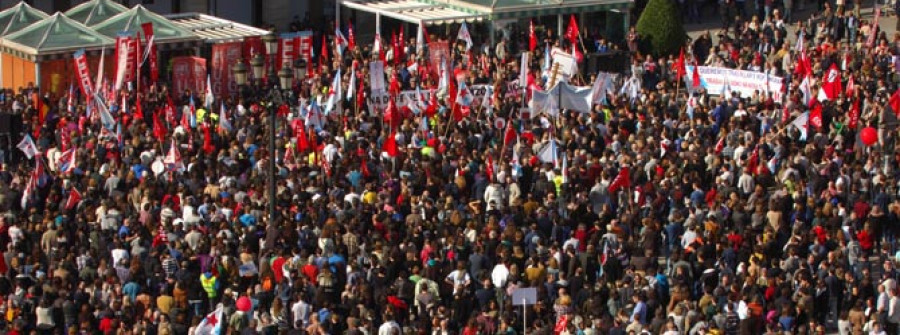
(271, 166)
(559, 26)
(524, 316)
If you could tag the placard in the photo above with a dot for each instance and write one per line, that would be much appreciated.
(714, 79)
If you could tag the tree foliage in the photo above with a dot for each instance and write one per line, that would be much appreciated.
(660, 28)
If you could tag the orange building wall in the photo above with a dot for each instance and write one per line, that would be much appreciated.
(17, 72)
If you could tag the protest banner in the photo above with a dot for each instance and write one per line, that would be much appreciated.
(715, 79)
(188, 73)
(224, 56)
(378, 100)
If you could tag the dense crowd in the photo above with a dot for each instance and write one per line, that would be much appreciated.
(725, 221)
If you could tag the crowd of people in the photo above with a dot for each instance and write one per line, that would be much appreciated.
(727, 220)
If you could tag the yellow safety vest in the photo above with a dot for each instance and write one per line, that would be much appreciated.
(209, 285)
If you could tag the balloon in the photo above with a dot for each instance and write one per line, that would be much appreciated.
(868, 136)
(243, 304)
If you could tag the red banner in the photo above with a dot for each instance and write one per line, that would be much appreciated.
(303, 44)
(438, 51)
(224, 56)
(122, 60)
(188, 73)
(136, 42)
(151, 58)
(83, 72)
(254, 46)
(285, 51)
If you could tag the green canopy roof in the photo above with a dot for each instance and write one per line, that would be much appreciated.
(95, 11)
(18, 17)
(163, 30)
(55, 34)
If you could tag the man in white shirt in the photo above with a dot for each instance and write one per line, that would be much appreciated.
(499, 275)
(459, 278)
(389, 327)
(301, 311)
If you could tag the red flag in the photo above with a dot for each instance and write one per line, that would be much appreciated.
(804, 68)
(510, 135)
(361, 95)
(831, 84)
(572, 33)
(390, 146)
(323, 57)
(753, 162)
(623, 180)
(351, 37)
(208, 147)
(895, 101)
(74, 199)
(364, 167)
(302, 140)
(532, 37)
(392, 114)
(561, 324)
(41, 109)
(396, 47)
(394, 85)
(854, 115)
(431, 110)
(159, 131)
(489, 169)
(695, 80)
(401, 43)
(680, 70)
(151, 58)
(720, 145)
(785, 113)
(138, 109)
(851, 86)
(815, 115)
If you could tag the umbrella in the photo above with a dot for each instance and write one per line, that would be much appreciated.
(243, 304)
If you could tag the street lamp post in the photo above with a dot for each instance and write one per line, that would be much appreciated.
(258, 64)
(239, 70)
(271, 43)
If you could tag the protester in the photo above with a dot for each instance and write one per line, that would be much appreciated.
(665, 209)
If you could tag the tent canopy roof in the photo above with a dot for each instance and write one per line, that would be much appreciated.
(18, 17)
(130, 21)
(214, 29)
(95, 11)
(55, 34)
(433, 12)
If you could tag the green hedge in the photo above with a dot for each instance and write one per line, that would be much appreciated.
(660, 28)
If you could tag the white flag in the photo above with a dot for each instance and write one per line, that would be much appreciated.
(547, 154)
(420, 38)
(465, 36)
(28, 147)
(212, 323)
(352, 86)
(801, 122)
(209, 94)
(173, 158)
(523, 70)
(544, 102)
(99, 80)
(334, 93)
(806, 90)
(575, 98)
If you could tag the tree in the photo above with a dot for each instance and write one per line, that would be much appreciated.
(660, 28)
